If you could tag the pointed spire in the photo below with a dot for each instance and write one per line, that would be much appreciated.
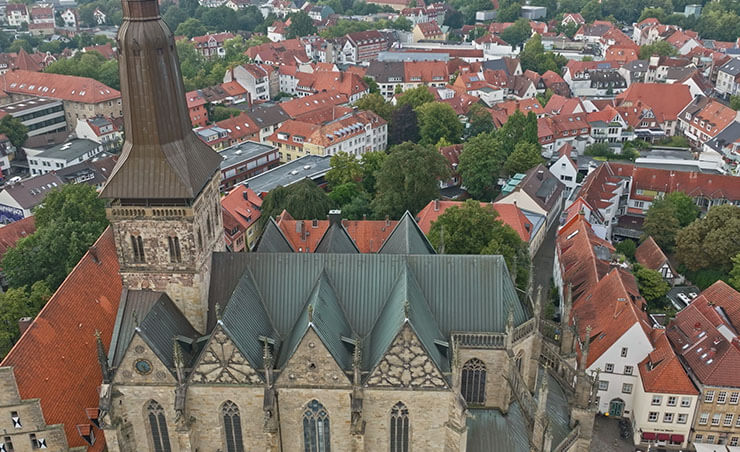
(357, 362)
(217, 308)
(406, 309)
(542, 399)
(538, 303)
(310, 313)
(267, 361)
(102, 357)
(178, 359)
(584, 348)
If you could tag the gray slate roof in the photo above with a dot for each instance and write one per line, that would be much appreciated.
(336, 240)
(273, 240)
(407, 238)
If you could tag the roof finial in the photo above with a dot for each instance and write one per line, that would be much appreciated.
(406, 309)
(217, 308)
(310, 313)
(266, 353)
(178, 359)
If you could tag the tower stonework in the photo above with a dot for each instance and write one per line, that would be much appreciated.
(163, 195)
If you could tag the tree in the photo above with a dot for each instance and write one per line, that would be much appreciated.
(408, 179)
(67, 224)
(454, 19)
(735, 272)
(662, 225)
(518, 128)
(627, 247)
(735, 102)
(375, 103)
(415, 97)
(465, 229)
(517, 33)
(303, 200)
(344, 194)
(660, 48)
(710, 242)
(506, 242)
(19, 44)
(372, 85)
(480, 121)
(15, 304)
(534, 57)
(592, 11)
(404, 125)
(525, 156)
(345, 169)
(656, 13)
(191, 27)
(14, 129)
(301, 25)
(371, 164)
(438, 120)
(686, 210)
(481, 162)
(650, 282)
(220, 113)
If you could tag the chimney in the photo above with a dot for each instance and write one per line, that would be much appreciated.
(436, 205)
(335, 217)
(304, 233)
(387, 220)
(24, 323)
(540, 174)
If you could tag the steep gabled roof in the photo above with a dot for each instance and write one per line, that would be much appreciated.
(336, 240)
(407, 238)
(661, 371)
(273, 240)
(649, 254)
(11, 233)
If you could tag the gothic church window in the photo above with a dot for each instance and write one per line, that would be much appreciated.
(208, 226)
(399, 428)
(473, 386)
(138, 246)
(315, 428)
(158, 427)
(232, 427)
(174, 246)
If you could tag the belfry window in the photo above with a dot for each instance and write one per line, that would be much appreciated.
(138, 246)
(399, 428)
(174, 244)
(232, 427)
(158, 427)
(473, 385)
(315, 428)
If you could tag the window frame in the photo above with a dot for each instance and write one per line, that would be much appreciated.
(399, 430)
(156, 417)
(232, 427)
(473, 381)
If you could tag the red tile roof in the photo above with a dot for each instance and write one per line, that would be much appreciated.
(56, 86)
(303, 105)
(722, 295)
(244, 206)
(661, 371)
(11, 233)
(508, 214)
(55, 360)
(666, 100)
(218, 37)
(649, 255)
(430, 29)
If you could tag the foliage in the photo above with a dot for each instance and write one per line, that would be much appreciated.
(627, 247)
(686, 211)
(16, 304)
(660, 48)
(480, 121)
(14, 129)
(534, 57)
(375, 103)
(415, 97)
(544, 98)
(518, 128)
(710, 242)
(372, 85)
(592, 11)
(345, 169)
(603, 150)
(190, 28)
(407, 179)
(371, 162)
(67, 223)
(735, 103)
(344, 194)
(735, 272)
(88, 64)
(650, 282)
(345, 26)
(300, 25)
(705, 277)
(481, 162)
(19, 44)
(517, 33)
(662, 225)
(675, 141)
(220, 113)
(525, 156)
(404, 125)
(438, 120)
(303, 200)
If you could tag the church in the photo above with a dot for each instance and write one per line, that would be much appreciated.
(200, 349)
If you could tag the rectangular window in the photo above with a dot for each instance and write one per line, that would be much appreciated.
(734, 441)
(709, 397)
(698, 438)
(668, 417)
(653, 416)
(609, 368)
(603, 385)
(627, 388)
(657, 400)
(8, 441)
(734, 397)
(685, 401)
(703, 418)
(672, 400)
(722, 397)
(737, 422)
(624, 352)
(728, 420)
(710, 439)
(682, 418)
(628, 370)
(715, 419)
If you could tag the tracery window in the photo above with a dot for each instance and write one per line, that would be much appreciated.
(399, 428)
(158, 427)
(138, 246)
(174, 245)
(232, 427)
(316, 428)
(473, 385)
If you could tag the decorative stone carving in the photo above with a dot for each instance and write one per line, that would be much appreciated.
(407, 365)
(222, 362)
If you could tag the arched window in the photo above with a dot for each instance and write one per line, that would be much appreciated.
(399, 428)
(519, 359)
(200, 240)
(316, 428)
(232, 427)
(174, 245)
(208, 226)
(158, 427)
(473, 386)
(138, 247)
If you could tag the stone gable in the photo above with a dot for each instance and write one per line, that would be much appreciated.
(222, 362)
(138, 350)
(407, 365)
(312, 365)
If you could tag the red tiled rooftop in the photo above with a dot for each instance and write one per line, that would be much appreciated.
(661, 371)
(508, 214)
(11, 233)
(649, 254)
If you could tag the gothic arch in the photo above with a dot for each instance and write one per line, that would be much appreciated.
(156, 423)
(232, 427)
(316, 428)
(473, 383)
(399, 428)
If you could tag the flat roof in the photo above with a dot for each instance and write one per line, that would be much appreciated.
(69, 151)
(29, 104)
(309, 166)
(242, 152)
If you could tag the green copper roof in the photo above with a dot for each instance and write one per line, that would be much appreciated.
(407, 238)
(273, 240)
(336, 240)
(325, 315)
(162, 324)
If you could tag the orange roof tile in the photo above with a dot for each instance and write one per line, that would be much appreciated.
(649, 254)
(722, 295)
(64, 87)
(508, 214)
(243, 205)
(11, 233)
(55, 360)
(661, 371)
(665, 100)
(303, 105)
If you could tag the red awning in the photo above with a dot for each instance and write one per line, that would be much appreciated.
(648, 435)
(677, 438)
(663, 436)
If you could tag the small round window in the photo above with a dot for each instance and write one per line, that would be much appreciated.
(143, 366)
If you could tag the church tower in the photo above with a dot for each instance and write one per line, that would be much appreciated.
(163, 197)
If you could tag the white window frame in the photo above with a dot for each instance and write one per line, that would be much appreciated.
(653, 416)
(657, 400)
(709, 397)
